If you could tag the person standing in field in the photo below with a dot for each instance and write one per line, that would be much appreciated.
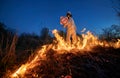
(71, 28)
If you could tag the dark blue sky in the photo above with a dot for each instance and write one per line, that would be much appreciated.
(33, 15)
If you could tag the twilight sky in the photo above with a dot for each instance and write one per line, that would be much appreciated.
(32, 15)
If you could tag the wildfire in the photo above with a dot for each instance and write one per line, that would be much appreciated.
(87, 42)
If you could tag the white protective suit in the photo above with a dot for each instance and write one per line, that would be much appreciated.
(71, 31)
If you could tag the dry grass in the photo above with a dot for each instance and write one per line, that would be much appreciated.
(7, 54)
(99, 63)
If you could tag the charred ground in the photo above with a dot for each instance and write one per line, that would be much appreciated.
(99, 63)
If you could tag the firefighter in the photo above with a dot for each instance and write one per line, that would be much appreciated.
(71, 29)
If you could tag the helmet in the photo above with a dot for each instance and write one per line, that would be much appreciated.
(69, 13)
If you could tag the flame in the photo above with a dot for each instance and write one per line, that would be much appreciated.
(29, 65)
(87, 42)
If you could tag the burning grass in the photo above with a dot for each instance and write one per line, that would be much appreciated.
(88, 58)
(100, 63)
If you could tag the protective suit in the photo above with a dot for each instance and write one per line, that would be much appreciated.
(71, 29)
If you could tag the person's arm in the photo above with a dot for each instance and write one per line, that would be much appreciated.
(68, 22)
(65, 25)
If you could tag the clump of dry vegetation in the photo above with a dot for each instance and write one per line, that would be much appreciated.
(99, 63)
(7, 49)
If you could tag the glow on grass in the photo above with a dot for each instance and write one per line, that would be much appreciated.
(87, 42)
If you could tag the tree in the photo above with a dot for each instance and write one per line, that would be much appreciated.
(28, 42)
(45, 37)
(111, 33)
(116, 6)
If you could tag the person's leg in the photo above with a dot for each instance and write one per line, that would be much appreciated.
(68, 37)
(74, 37)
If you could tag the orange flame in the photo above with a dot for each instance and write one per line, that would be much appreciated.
(87, 41)
(29, 65)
